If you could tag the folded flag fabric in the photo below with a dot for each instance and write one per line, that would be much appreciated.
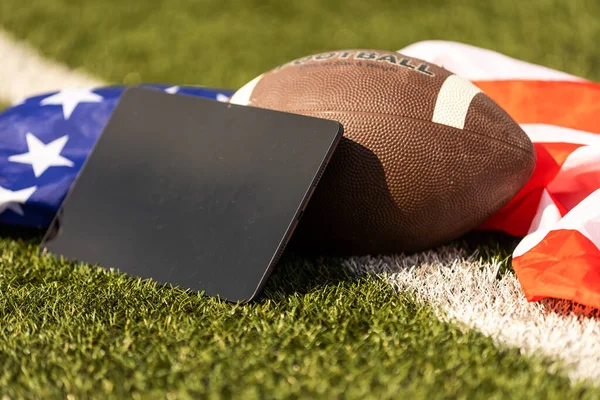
(44, 141)
(558, 212)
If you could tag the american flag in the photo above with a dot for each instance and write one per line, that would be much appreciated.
(44, 141)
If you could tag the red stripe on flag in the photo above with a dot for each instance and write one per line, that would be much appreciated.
(573, 105)
(515, 218)
(565, 265)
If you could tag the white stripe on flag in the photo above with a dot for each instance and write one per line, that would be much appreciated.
(544, 133)
(477, 64)
(585, 218)
(578, 176)
(545, 219)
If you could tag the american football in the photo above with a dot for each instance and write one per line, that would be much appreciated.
(426, 155)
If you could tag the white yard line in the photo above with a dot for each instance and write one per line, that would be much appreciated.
(459, 287)
(24, 72)
(465, 290)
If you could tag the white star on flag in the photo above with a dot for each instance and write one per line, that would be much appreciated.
(12, 200)
(222, 98)
(172, 89)
(43, 156)
(70, 98)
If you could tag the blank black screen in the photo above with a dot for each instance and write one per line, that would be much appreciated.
(193, 192)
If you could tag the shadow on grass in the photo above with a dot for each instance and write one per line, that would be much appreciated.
(300, 273)
(300, 270)
(25, 233)
(492, 241)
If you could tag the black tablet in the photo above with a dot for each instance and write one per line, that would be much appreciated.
(193, 192)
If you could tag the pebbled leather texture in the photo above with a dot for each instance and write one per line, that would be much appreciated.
(398, 182)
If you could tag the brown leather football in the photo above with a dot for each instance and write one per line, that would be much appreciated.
(426, 156)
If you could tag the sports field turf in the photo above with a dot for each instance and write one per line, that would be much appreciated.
(72, 329)
(227, 43)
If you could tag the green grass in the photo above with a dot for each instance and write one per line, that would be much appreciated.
(67, 329)
(226, 43)
(79, 330)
